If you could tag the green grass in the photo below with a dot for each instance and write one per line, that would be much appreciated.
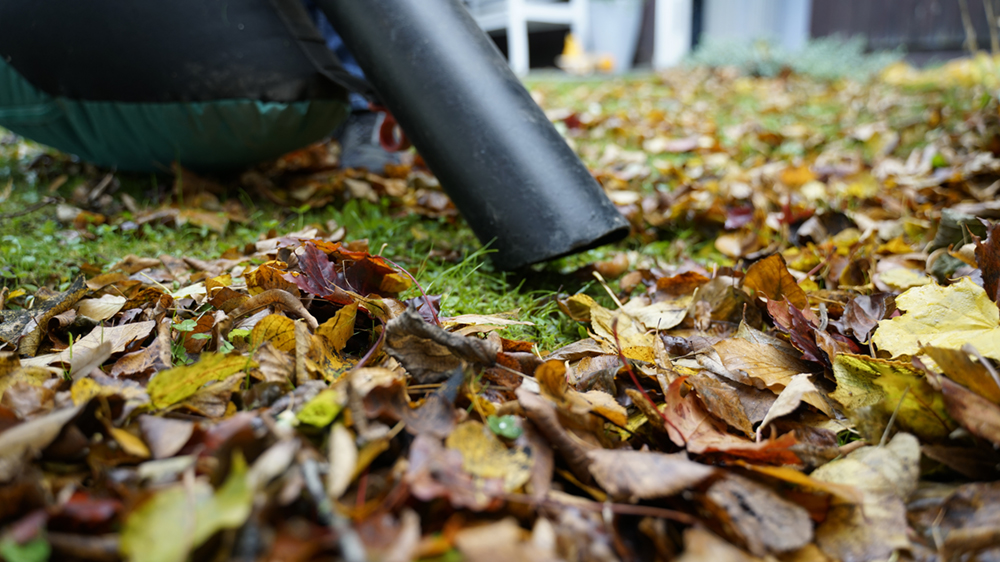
(37, 250)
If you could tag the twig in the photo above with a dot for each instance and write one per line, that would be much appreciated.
(892, 419)
(635, 380)
(600, 507)
(31, 209)
(427, 300)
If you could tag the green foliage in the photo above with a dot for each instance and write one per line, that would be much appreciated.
(828, 58)
(35, 550)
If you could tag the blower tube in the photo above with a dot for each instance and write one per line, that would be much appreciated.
(508, 171)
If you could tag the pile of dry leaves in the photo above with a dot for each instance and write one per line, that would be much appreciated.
(834, 396)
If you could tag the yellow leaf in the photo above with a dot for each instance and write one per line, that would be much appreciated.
(484, 455)
(83, 390)
(130, 443)
(337, 330)
(901, 278)
(219, 282)
(277, 329)
(883, 386)
(34, 376)
(948, 317)
(173, 385)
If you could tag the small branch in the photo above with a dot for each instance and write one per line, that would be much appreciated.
(43, 203)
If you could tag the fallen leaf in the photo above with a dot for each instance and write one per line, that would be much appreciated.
(767, 523)
(692, 427)
(176, 520)
(886, 386)
(988, 259)
(165, 436)
(790, 398)
(25, 441)
(758, 364)
(429, 353)
(485, 456)
(960, 367)
(338, 329)
(770, 277)
(101, 308)
(976, 414)
(173, 385)
(948, 317)
(343, 459)
(640, 475)
(701, 545)
(276, 329)
(118, 336)
(875, 529)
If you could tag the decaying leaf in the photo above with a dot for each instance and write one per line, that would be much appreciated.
(25, 441)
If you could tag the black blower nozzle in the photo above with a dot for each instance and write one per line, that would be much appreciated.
(509, 172)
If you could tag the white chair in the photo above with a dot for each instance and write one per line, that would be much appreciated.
(515, 16)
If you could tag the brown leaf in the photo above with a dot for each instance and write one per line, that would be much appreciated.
(766, 522)
(542, 413)
(165, 436)
(722, 400)
(701, 545)
(976, 414)
(428, 353)
(691, 426)
(28, 400)
(874, 530)
(645, 475)
(959, 367)
(988, 259)
(43, 309)
(25, 441)
(436, 472)
(863, 313)
(763, 365)
(770, 277)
